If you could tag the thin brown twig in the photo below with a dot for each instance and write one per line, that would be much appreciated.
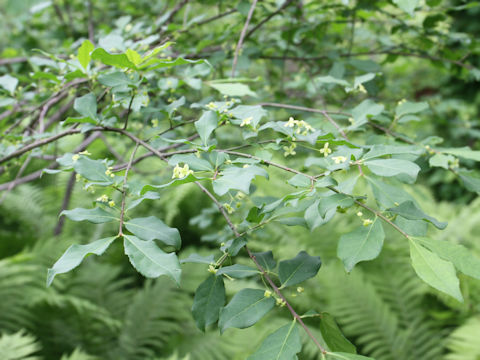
(59, 113)
(210, 19)
(54, 165)
(273, 14)
(44, 111)
(14, 60)
(124, 190)
(66, 200)
(174, 11)
(91, 30)
(128, 112)
(242, 36)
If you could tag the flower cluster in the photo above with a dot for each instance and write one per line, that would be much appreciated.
(104, 199)
(181, 172)
(302, 127)
(108, 172)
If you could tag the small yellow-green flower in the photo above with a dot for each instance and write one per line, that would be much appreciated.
(108, 172)
(300, 289)
(103, 198)
(339, 159)
(326, 150)
(267, 293)
(229, 209)
(111, 203)
(211, 269)
(154, 122)
(84, 153)
(211, 106)
(75, 157)
(291, 122)
(289, 150)
(362, 89)
(359, 214)
(246, 121)
(181, 172)
(367, 222)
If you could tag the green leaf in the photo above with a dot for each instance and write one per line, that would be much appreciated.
(206, 124)
(283, 344)
(117, 60)
(86, 105)
(347, 356)
(382, 150)
(84, 53)
(151, 228)
(176, 182)
(96, 215)
(209, 299)
(194, 163)
(246, 308)
(198, 259)
(75, 255)
(333, 336)
(237, 271)
(150, 260)
(407, 5)
(266, 260)
(393, 167)
(93, 170)
(440, 160)
(153, 64)
(464, 152)
(156, 50)
(436, 272)
(300, 181)
(232, 89)
(332, 80)
(410, 107)
(298, 269)
(9, 83)
(363, 111)
(471, 180)
(333, 202)
(256, 112)
(314, 219)
(149, 195)
(236, 178)
(133, 56)
(388, 195)
(113, 79)
(362, 244)
(410, 211)
(459, 255)
(234, 246)
(79, 120)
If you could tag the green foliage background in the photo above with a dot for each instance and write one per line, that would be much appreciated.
(105, 310)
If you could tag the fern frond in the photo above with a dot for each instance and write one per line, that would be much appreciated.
(18, 346)
(463, 343)
(154, 316)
